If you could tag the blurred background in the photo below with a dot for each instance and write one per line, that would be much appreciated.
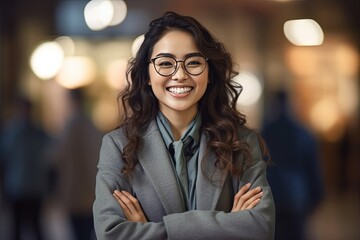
(63, 63)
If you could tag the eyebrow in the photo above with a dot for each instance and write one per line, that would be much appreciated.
(172, 55)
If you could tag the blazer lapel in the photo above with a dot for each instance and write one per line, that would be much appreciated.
(210, 184)
(156, 162)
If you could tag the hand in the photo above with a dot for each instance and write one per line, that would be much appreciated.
(130, 206)
(246, 199)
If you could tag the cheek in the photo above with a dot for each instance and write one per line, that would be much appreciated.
(155, 79)
(151, 74)
(156, 83)
(204, 84)
(204, 81)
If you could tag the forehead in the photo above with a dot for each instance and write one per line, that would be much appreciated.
(176, 42)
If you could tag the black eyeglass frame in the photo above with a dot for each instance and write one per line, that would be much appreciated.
(176, 64)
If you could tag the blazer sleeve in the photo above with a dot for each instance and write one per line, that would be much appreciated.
(109, 220)
(257, 223)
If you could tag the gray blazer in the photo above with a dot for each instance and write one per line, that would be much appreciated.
(155, 185)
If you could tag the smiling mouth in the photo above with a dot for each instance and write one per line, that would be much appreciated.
(179, 90)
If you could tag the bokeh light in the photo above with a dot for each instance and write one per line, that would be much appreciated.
(116, 74)
(324, 114)
(46, 60)
(108, 108)
(100, 14)
(252, 88)
(303, 32)
(136, 44)
(67, 44)
(76, 72)
(120, 12)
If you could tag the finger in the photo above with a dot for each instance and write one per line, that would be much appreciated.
(241, 192)
(253, 204)
(125, 200)
(245, 197)
(251, 200)
(134, 212)
(249, 194)
(244, 189)
(133, 200)
(139, 215)
(117, 196)
(123, 206)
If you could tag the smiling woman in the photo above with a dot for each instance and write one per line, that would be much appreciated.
(182, 164)
(178, 87)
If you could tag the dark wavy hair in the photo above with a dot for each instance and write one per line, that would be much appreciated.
(220, 119)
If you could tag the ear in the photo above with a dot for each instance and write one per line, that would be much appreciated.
(149, 82)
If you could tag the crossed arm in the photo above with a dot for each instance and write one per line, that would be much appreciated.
(126, 222)
(243, 200)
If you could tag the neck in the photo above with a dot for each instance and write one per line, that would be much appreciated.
(179, 122)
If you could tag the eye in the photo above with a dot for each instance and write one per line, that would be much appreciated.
(165, 62)
(194, 62)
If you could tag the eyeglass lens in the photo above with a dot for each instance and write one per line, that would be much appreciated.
(166, 66)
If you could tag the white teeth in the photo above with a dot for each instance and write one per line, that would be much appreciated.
(180, 90)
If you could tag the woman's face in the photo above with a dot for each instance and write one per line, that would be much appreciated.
(181, 91)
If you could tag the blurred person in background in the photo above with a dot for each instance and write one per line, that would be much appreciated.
(25, 171)
(76, 154)
(295, 175)
(183, 165)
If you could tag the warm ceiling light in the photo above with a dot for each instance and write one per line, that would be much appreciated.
(120, 12)
(136, 44)
(303, 32)
(324, 114)
(252, 88)
(46, 60)
(116, 74)
(76, 72)
(98, 14)
(67, 44)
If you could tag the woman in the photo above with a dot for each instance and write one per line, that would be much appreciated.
(182, 165)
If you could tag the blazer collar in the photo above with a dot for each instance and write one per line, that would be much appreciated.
(210, 179)
(156, 162)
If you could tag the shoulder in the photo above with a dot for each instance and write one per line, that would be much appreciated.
(115, 138)
(255, 141)
(247, 134)
(118, 136)
(118, 133)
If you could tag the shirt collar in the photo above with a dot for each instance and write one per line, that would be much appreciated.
(193, 130)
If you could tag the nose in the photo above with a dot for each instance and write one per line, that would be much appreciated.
(180, 73)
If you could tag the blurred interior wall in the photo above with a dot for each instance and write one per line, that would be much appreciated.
(323, 81)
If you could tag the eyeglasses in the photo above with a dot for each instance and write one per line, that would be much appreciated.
(168, 65)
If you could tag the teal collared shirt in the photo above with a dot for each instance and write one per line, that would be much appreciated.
(190, 147)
